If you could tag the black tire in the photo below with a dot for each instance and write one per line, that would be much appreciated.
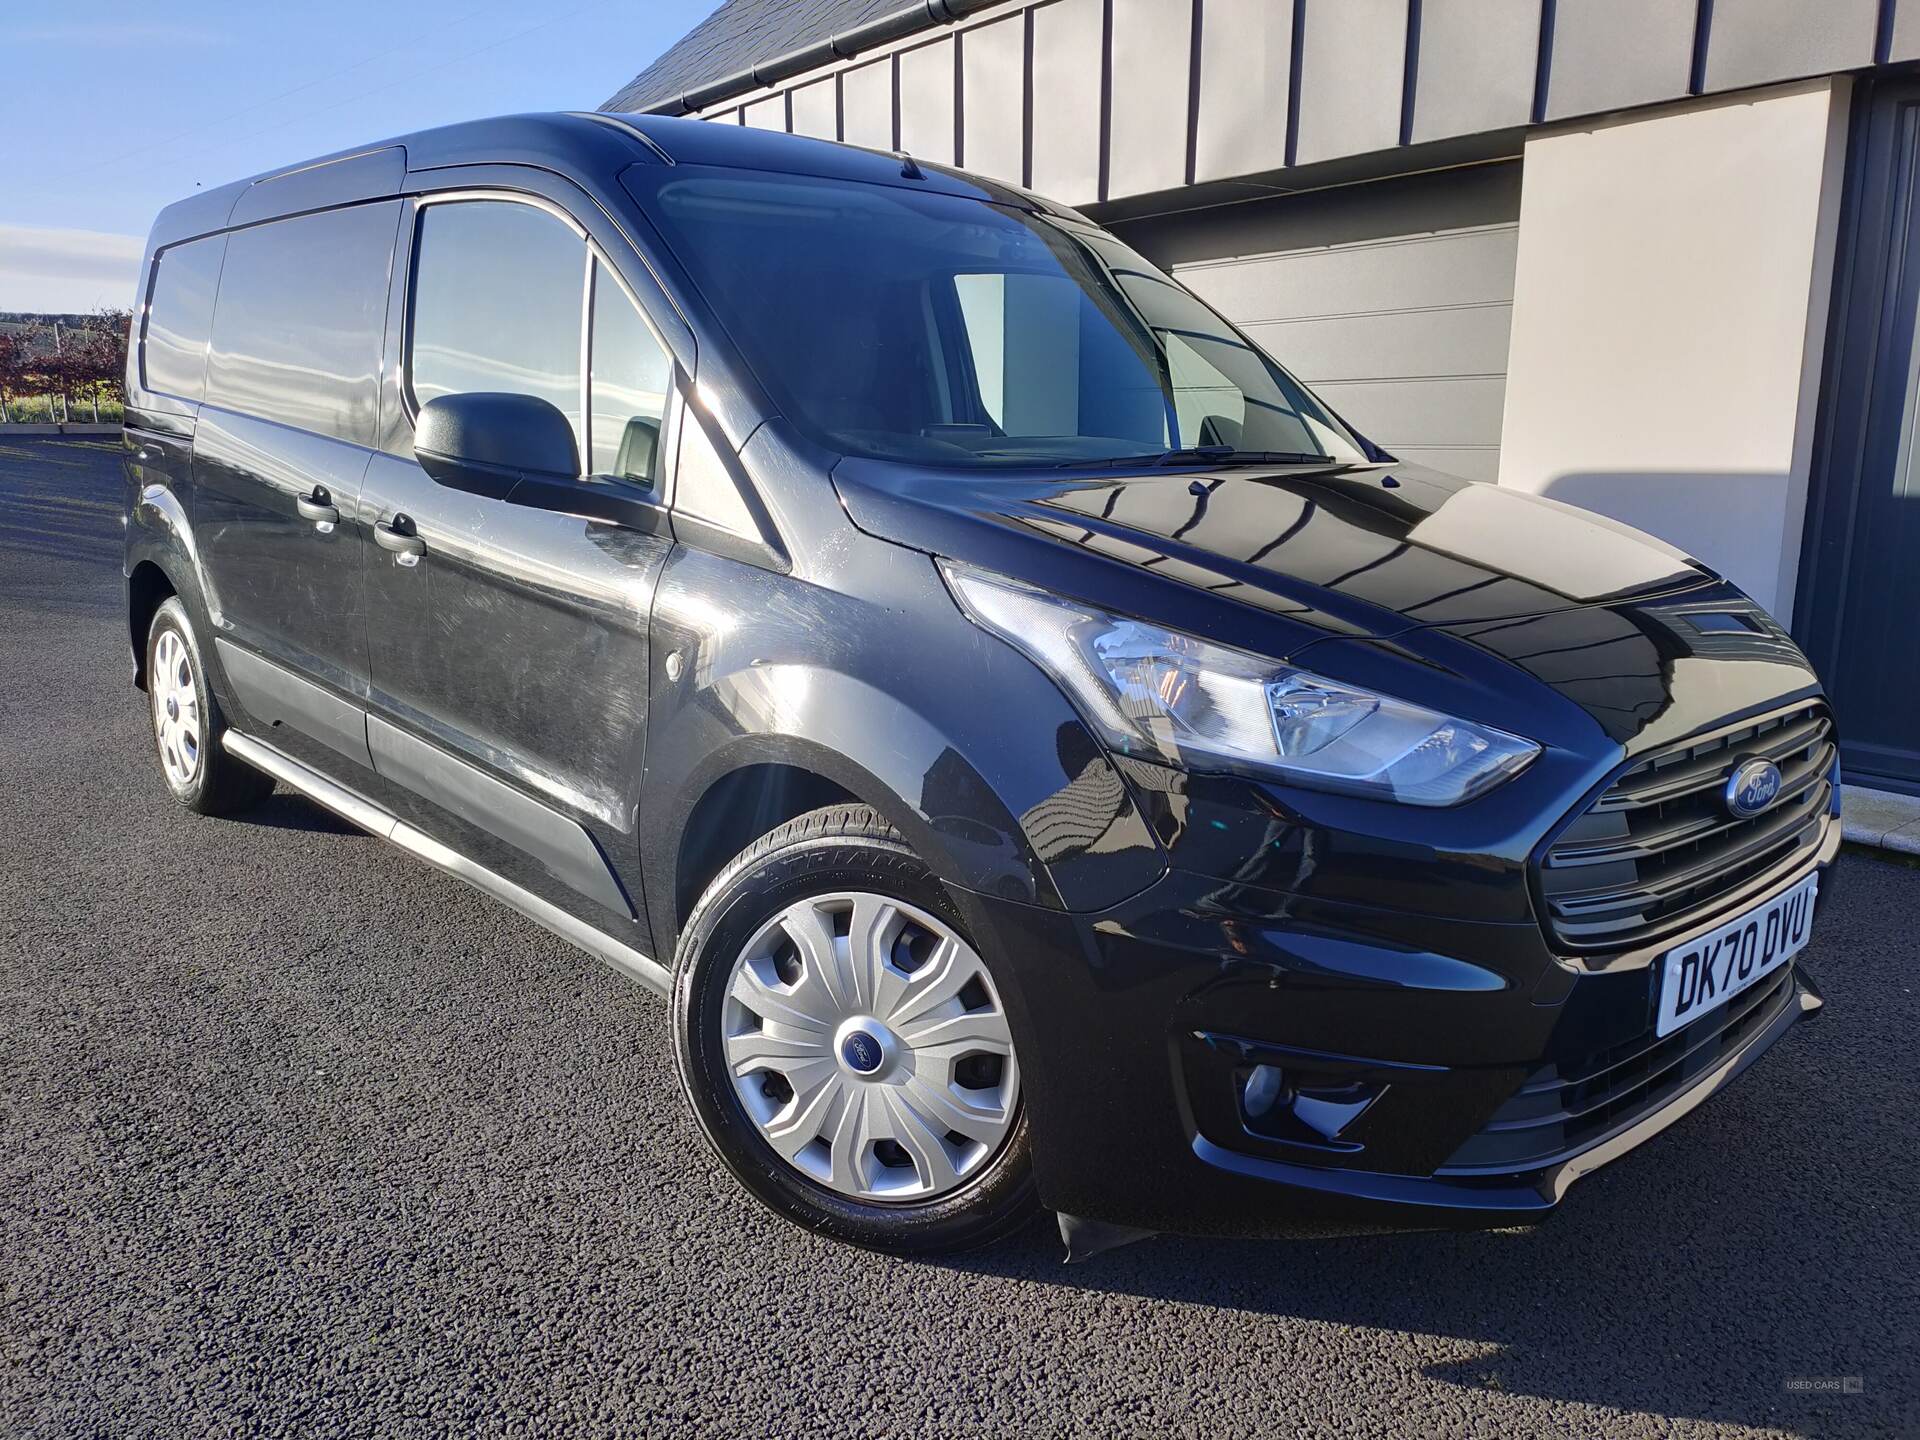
(840, 847)
(221, 783)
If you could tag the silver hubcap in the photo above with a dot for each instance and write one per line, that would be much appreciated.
(176, 710)
(868, 1045)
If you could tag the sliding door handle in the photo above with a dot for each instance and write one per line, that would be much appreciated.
(319, 508)
(397, 536)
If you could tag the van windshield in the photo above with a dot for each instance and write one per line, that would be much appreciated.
(896, 324)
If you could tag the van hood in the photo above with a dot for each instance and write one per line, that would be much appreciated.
(1371, 550)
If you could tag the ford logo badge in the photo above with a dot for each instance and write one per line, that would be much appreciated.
(861, 1052)
(1753, 786)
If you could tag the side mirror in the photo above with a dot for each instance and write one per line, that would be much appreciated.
(520, 449)
(487, 444)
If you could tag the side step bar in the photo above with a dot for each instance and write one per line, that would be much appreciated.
(368, 816)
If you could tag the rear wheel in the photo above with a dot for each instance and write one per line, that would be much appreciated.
(844, 1044)
(187, 723)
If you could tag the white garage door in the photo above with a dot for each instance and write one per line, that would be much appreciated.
(1392, 299)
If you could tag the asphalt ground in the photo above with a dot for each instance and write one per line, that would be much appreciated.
(298, 1136)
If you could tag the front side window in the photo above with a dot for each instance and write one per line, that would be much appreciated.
(628, 379)
(497, 294)
(900, 324)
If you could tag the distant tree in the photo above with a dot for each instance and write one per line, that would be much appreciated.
(117, 328)
(31, 372)
(82, 363)
(13, 367)
(95, 358)
(46, 363)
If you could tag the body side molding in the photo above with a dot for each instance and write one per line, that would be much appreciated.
(274, 695)
(561, 844)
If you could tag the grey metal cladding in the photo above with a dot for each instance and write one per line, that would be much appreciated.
(993, 61)
(1066, 99)
(1147, 123)
(1609, 54)
(1352, 69)
(816, 109)
(1903, 35)
(1475, 67)
(767, 114)
(1753, 42)
(926, 101)
(740, 33)
(1246, 62)
(866, 105)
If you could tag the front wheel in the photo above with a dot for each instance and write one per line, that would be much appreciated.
(844, 1045)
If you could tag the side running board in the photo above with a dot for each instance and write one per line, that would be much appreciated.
(368, 816)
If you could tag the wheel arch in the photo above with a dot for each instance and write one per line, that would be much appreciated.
(736, 809)
(161, 561)
(752, 784)
(148, 588)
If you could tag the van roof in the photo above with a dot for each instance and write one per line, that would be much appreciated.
(568, 142)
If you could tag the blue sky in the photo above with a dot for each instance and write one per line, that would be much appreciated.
(111, 110)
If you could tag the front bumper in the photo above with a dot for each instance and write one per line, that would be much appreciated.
(1415, 1081)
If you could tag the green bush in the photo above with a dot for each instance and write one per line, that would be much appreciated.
(44, 410)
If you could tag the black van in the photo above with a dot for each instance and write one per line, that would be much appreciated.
(1056, 760)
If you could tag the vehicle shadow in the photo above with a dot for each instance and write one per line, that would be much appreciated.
(285, 810)
(1694, 1278)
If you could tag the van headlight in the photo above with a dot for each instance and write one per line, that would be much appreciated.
(1187, 702)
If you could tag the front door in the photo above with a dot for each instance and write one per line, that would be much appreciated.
(1861, 582)
(509, 645)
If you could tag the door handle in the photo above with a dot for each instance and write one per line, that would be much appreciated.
(398, 537)
(319, 508)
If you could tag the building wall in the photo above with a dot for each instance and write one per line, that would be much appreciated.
(1669, 315)
(1116, 101)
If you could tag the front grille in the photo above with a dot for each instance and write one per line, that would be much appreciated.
(1562, 1110)
(1658, 851)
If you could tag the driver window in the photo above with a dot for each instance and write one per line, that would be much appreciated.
(629, 375)
(496, 304)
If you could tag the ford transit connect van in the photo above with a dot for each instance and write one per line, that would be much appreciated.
(1046, 757)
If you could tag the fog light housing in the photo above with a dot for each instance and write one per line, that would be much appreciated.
(1303, 1107)
(1262, 1090)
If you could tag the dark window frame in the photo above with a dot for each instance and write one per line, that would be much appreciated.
(595, 259)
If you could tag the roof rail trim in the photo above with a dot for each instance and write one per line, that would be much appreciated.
(617, 122)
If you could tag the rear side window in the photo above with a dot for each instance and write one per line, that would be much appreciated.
(180, 316)
(298, 331)
(497, 301)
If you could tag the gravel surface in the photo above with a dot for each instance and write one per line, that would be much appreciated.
(298, 1136)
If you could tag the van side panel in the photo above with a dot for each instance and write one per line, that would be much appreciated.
(173, 313)
(280, 455)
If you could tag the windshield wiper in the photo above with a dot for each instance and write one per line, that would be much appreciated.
(1227, 455)
(1194, 455)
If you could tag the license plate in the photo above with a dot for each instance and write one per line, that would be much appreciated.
(1710, 969)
